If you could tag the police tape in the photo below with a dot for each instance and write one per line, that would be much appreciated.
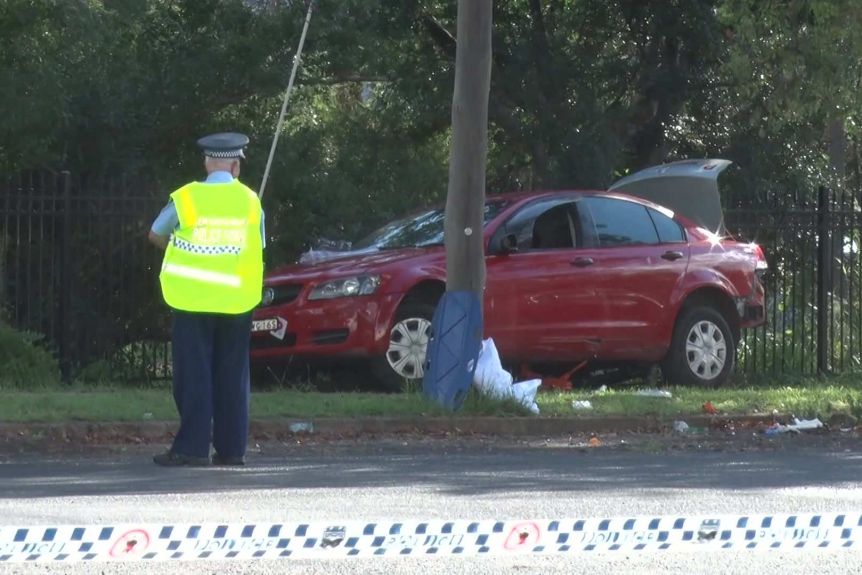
(322, 540)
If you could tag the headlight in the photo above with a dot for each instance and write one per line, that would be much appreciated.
(359, 285)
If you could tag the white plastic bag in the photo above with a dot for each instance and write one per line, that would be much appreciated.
(797, 426)
(492, 380)
(805, 424)
(490, 375)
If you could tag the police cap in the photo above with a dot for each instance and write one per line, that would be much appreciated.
(224, 145)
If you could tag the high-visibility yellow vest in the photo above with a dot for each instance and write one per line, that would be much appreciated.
(214, 261)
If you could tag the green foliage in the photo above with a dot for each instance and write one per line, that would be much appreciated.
(342, 170)
(787, 71)
(23, 363)
(138, 364)
(582, 91)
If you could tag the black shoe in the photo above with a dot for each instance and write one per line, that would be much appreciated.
(231, 461)
(172, 459)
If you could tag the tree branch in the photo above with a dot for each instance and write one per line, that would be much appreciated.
(540, 32)
(440, 35)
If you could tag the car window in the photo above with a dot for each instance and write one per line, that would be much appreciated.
(669, 231)
(621, 223)
(546, 224)
(420, 230)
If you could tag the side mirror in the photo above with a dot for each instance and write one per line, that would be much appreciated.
(508, 244)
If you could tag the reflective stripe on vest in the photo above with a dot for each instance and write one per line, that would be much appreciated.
(214, 262)
(202, 275)
(207, 250)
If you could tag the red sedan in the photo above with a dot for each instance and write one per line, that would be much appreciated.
(638, 274)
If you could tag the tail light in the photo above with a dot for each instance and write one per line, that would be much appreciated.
(760, 268)
(760, 265)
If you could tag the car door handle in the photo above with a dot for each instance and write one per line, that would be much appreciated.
(672, 256)
(582, 262)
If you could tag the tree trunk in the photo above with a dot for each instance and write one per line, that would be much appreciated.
(465, 201)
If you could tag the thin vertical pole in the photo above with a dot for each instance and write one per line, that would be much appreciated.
(65, 279)
(296, 60)
(823, 284)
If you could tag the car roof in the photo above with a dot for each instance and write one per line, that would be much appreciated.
(514, 197)
(526, 195)
(522, 197)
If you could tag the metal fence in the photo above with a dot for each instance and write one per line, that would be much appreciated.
(75, 266)
(812, 244)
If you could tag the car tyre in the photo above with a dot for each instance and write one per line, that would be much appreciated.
(403, 364)
(703, 349)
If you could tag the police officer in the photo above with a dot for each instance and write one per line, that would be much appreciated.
(211, 277)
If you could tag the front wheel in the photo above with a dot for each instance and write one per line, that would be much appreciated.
(404, 361)
(703, 349)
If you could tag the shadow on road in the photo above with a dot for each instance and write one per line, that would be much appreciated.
(459, 470)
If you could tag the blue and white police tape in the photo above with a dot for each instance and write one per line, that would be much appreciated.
(429, 538)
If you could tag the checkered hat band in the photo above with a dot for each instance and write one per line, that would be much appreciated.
(226, 154)
(205, 250)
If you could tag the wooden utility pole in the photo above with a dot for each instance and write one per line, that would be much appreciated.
(465, 200)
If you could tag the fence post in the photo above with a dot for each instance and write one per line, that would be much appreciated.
(65, 280)
(824, 278)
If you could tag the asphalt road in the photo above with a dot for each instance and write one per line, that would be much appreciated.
(396, 479)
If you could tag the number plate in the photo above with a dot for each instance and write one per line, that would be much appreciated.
(264, 325)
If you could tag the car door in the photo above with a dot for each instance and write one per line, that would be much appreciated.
(639, 257)
(537, 297)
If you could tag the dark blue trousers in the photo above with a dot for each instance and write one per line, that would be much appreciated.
(211, 382)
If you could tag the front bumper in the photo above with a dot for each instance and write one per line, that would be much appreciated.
(346, 327)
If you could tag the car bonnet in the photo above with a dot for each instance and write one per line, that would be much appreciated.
(687, 187)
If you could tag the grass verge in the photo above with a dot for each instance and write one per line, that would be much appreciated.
(157, 404)
(804, 398)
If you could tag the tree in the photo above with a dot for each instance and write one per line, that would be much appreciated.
(465, 201)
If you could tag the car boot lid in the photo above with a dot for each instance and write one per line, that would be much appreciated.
(687, 187)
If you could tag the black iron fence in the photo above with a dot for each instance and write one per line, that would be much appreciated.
(75, 267)
(814, 317)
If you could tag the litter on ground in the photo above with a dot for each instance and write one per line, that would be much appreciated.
(492, 380)
(654, 393)
(797, 426)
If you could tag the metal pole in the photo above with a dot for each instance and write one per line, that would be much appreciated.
(296, 60)
(66, 280)
(824, 280)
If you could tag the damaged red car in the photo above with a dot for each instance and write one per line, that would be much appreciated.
(639, 274)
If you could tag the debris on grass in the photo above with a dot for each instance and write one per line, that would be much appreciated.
(302, 427)
(709, 408)
(654, 393)
(680, 426)
(798, 426)
(492, 380)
